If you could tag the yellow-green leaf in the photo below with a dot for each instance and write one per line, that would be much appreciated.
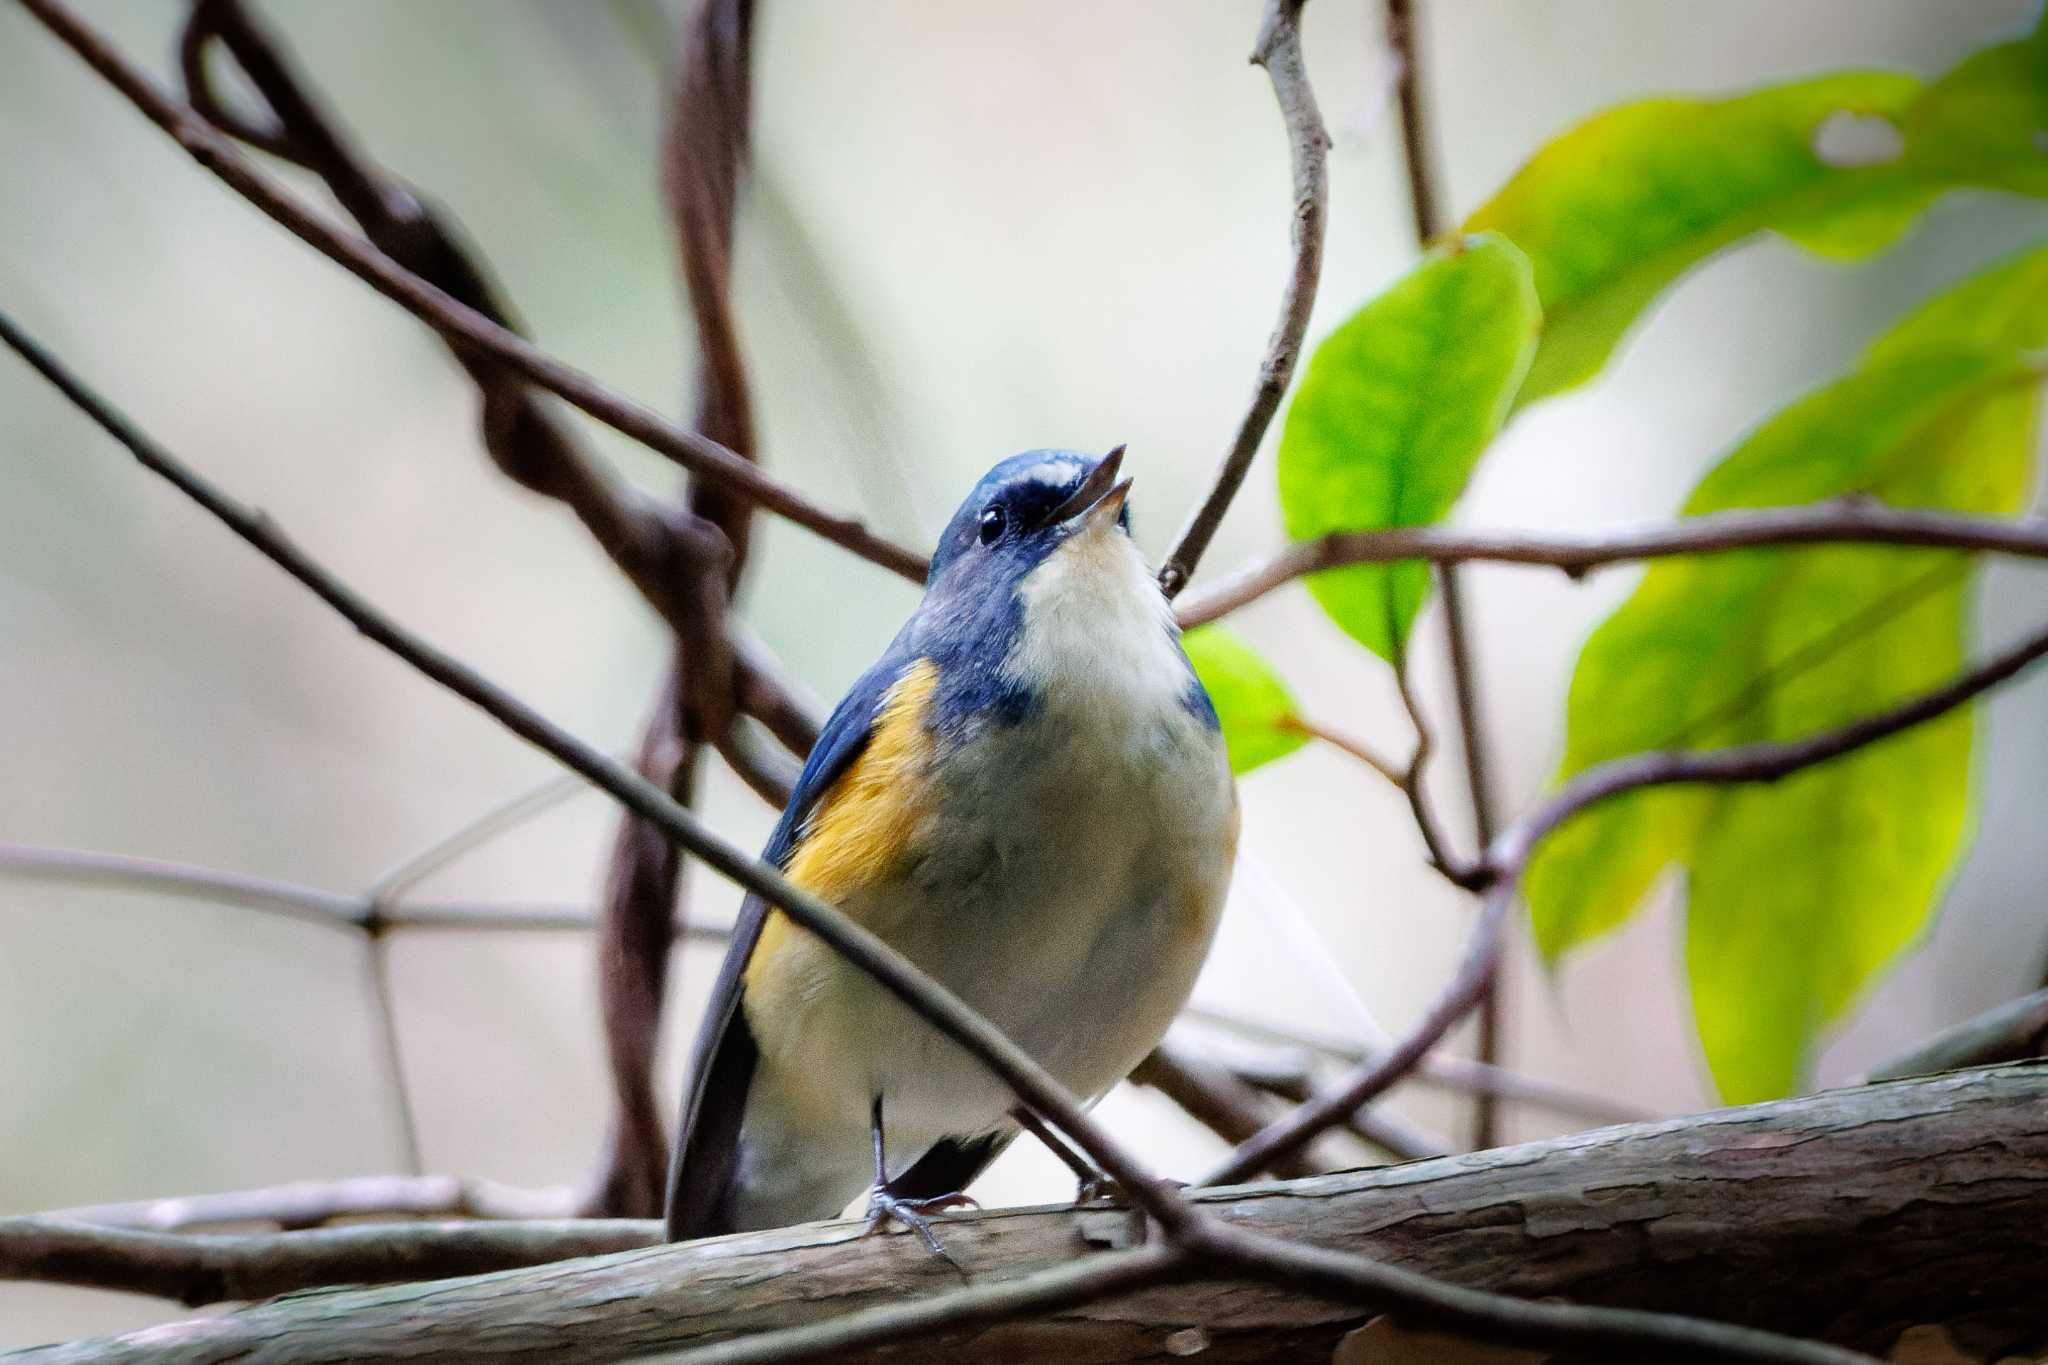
(1394, 410)
(1253, 705)
(1798, 893)
(1614, 210)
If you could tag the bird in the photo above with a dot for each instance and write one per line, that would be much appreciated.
(1028, 796)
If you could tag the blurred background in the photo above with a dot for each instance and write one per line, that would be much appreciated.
(973, 230)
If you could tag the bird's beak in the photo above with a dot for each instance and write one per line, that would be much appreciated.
(1100, 498)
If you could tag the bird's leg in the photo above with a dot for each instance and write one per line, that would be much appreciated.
(886, 1205)
(1090, 1181)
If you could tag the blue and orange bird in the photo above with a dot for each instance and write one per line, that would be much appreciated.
(1028, 797)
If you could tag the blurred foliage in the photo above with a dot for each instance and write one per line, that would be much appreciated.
(1798, 892)
(1615, 210)
(1394, 411)
(1257, 712)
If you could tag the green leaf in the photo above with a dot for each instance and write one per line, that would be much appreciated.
(1798, 893)
(1395, 408)
(1614, 210)
(1254, 706)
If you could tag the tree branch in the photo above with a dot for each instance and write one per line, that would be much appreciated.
(2018, 1028)
(1278, 50)
(1457, 1074)
(453, 318)
(311, 1203)
(1840, 522)
(1510, 853)
(1851, 1214)
(703, 162)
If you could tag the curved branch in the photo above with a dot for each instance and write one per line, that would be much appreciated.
(453, 318)
(1841, 522)
(1278, 50)
(1509, 855)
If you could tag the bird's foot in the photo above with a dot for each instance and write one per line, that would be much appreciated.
(885, 1208)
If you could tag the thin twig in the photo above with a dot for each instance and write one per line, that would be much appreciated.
(473, 834)
(1278, 50)
(391, 1051)
(704, 160)
(451, 316)
(311, 1203)
(1509, 856)
(1349, 744)
(1396, 1137)
(2018, 1028)
(1459, 1075)
(81, 867)
(1413, 781)
(1207, 1092)
(197, 1270)
(1425, 203)
(1839, 522)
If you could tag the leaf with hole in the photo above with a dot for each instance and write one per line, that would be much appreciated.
(1616, 209)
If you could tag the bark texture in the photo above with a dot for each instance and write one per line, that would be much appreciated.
(1851, 1215)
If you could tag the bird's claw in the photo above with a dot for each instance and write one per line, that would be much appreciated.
(915, 1214)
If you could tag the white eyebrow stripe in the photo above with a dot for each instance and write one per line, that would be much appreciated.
(1055, 472)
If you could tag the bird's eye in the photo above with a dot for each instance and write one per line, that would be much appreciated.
(992, 523)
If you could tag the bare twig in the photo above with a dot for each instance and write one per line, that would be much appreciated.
(1509, 856)
(1350, 744)
(1425, 203)
(311, 1203)
(218, 1268)
(1413, 782)
(1417, 155)
(473, 834)
(704, 159)
(1841, 522)
(2018, 1028)
(391, 1050)
(1221, 1102)
(1025, 1077)
(1457, 1074)
(177, 879)
(360, 913)
(1278, 50)
(1398, 1138)
(452, 317)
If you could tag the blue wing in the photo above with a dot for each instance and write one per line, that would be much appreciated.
(700, 1190)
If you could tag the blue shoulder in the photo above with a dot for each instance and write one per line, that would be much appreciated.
(851, 725)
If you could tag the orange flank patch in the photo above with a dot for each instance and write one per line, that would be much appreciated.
(865, 823)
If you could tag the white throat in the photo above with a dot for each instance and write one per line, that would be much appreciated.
(1097, 632)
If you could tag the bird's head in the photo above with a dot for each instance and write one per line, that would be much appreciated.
(1037, 516)
(1028, 510)
(1036, 584)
